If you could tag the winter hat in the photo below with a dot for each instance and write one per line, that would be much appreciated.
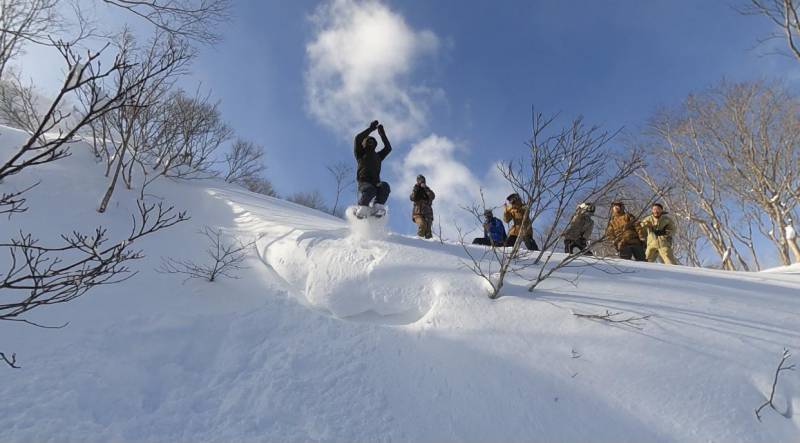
(421, 178)
(588, 207)
(488, 213)
(513, 196)
(618, 203)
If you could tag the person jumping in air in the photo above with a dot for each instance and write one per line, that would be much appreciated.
(368, 172)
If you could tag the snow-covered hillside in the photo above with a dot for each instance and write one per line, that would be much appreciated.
(330, 337)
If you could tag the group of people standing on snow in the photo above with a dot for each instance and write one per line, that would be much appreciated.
(645, 240)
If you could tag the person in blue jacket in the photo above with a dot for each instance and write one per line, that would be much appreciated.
(494, 232)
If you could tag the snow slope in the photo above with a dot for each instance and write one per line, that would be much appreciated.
(327, 337)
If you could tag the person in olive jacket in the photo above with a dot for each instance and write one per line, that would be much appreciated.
(422, 214)
(660, 231)
(372, 192)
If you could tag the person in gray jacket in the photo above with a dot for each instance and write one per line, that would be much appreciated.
(576, 236)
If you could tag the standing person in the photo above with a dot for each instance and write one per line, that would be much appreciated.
(660, 231)
(579, 229)
(494, 233)
(368, 172)
(422, 214)
(623, 231)
(518, 212)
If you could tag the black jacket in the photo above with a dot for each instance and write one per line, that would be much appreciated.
(369, 161)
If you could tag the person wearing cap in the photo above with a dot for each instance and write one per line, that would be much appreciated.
(517, 212)
(422, 213)
(579, 230)
(624, 232)
(494, 233)
(660, 230)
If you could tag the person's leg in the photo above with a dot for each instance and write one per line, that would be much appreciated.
(482, 241)
(530, 243)
(638, 253)
(651, 254)
(420, 226)
(428, 228)
(382, 193)
(668, 256)
(568, 245)
(511, 240)
(366, 192)
(625, 251)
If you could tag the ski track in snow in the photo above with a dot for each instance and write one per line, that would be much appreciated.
(328, 336)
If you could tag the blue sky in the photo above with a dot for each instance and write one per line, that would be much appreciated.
(454, 81)
(471, 70)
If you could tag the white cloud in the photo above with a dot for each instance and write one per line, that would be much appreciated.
(439, 160)
(359, 66)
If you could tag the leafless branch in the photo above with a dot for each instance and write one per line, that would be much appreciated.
(342, 174)
(10, 361)
(47, 275)
(187, 19)
(244, 161)
(633, 321)
(227, 256)
(784, 358)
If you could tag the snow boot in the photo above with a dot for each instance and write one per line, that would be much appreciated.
(362, 212)
(378, 210)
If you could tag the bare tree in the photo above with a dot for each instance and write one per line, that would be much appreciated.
(198, 131)
(702, 195)
(85, 75)
(23, 21)
(131, 129)
(311, 200)
(226, 257)
(784, 14)
(342, 174)
(564, 166)
(244, 161)
(260, 185)
(733, 155)
(185, 19)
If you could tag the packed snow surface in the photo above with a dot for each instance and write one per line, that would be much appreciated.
(340, 331)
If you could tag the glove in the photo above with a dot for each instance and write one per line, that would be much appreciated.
(374, 125)
(660, 232)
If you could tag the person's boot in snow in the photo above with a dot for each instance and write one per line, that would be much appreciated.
(363, 212)
(378, 210)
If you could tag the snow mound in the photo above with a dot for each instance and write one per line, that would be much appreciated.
(370, 228)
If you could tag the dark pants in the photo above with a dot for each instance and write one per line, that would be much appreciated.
(486, 241)
(368, 191)
(530, 243)
(573, 246)
(632, 250)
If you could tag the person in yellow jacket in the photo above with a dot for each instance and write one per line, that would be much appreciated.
(625, 233)
(660, 231)
(515, 211)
